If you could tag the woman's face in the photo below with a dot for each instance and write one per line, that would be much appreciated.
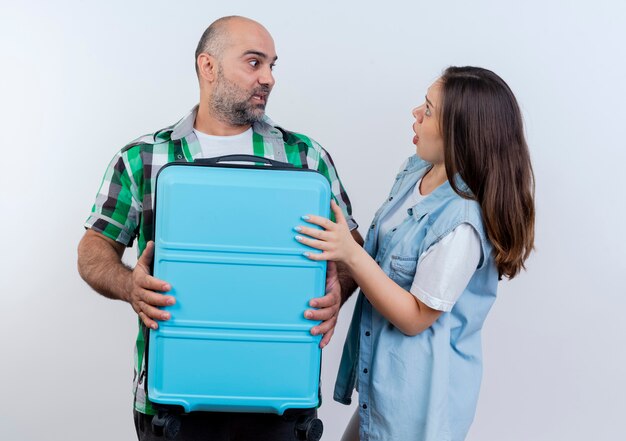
(428, 140)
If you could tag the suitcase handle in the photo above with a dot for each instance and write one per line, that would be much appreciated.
(243, 158)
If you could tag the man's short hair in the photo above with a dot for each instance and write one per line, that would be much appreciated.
(214, 39)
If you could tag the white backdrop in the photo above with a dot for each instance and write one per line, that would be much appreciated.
(80, 79)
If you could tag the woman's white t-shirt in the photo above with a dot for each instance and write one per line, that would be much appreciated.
(444, 270)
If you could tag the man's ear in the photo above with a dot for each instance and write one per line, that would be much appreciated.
(207, 67)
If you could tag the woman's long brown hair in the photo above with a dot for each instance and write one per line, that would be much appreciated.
(484, 143)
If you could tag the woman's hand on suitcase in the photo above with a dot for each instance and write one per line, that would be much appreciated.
(337, 244)
(142, 289)
(334, 240)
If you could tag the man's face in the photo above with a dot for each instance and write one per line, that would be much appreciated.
(244, 76)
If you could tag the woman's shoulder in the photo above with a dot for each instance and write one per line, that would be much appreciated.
(460, 210)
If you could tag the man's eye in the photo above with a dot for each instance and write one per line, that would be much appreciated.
(254, 63)
(272, 66)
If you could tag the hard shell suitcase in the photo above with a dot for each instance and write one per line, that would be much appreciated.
(237, 339)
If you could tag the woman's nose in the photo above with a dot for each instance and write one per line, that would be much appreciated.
(418, 113)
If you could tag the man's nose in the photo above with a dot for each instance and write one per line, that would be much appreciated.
(267, 77)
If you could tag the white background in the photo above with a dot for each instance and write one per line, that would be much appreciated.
(81, 79)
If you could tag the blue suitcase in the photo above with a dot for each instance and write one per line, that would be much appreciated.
(237, 340)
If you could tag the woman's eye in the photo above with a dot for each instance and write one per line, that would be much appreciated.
(427, 112)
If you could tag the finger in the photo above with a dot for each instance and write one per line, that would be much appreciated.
(320, 314)
(152, 283)
(330, 284)
(326, 224)
(317, 256)
(326, 339)
(338, 212)
(328, 301)
(312, 232)
(146, 257)
(148, 321)
(313, 243)
(331, 271)
(155, 299)
(332, 278)
(325, 328)
(154, 313)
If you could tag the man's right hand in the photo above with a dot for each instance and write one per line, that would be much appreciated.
(100, 265)
(141, 291)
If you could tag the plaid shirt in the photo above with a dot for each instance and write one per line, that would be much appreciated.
(124, 207)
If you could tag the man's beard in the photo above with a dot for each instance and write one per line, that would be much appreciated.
(233, 105)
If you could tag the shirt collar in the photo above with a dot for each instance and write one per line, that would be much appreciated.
(415, 163)
(183, 128)
(441, 193)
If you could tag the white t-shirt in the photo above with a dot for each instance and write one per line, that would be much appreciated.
(445, 269)
(213, 146)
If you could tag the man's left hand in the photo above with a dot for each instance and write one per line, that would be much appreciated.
(327, 307)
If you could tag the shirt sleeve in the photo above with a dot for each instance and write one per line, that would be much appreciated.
(446, 268)
(326, 166)
(116, 211)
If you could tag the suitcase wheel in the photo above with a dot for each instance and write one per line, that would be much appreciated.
(166, 425)
(309, 429)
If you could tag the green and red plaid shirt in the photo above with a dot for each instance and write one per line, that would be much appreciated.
(124, 207)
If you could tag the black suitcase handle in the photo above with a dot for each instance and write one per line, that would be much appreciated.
(243, 158)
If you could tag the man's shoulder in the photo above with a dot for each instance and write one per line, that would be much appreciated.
(150, 140)
(291, 137)
(165, 137)
(305, 142)
(267, 127)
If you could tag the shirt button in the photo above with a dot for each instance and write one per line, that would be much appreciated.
(372, 226)
(179, 156)
(365, 371)
(367, 333)
(364, 406)
(390, 198)
(410, 212)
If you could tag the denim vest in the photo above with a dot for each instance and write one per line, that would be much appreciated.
(423, 387)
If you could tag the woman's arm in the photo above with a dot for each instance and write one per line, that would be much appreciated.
(397, 305)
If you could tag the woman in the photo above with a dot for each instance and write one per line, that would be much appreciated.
(460, 216)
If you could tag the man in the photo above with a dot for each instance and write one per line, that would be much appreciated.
(234, 61)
